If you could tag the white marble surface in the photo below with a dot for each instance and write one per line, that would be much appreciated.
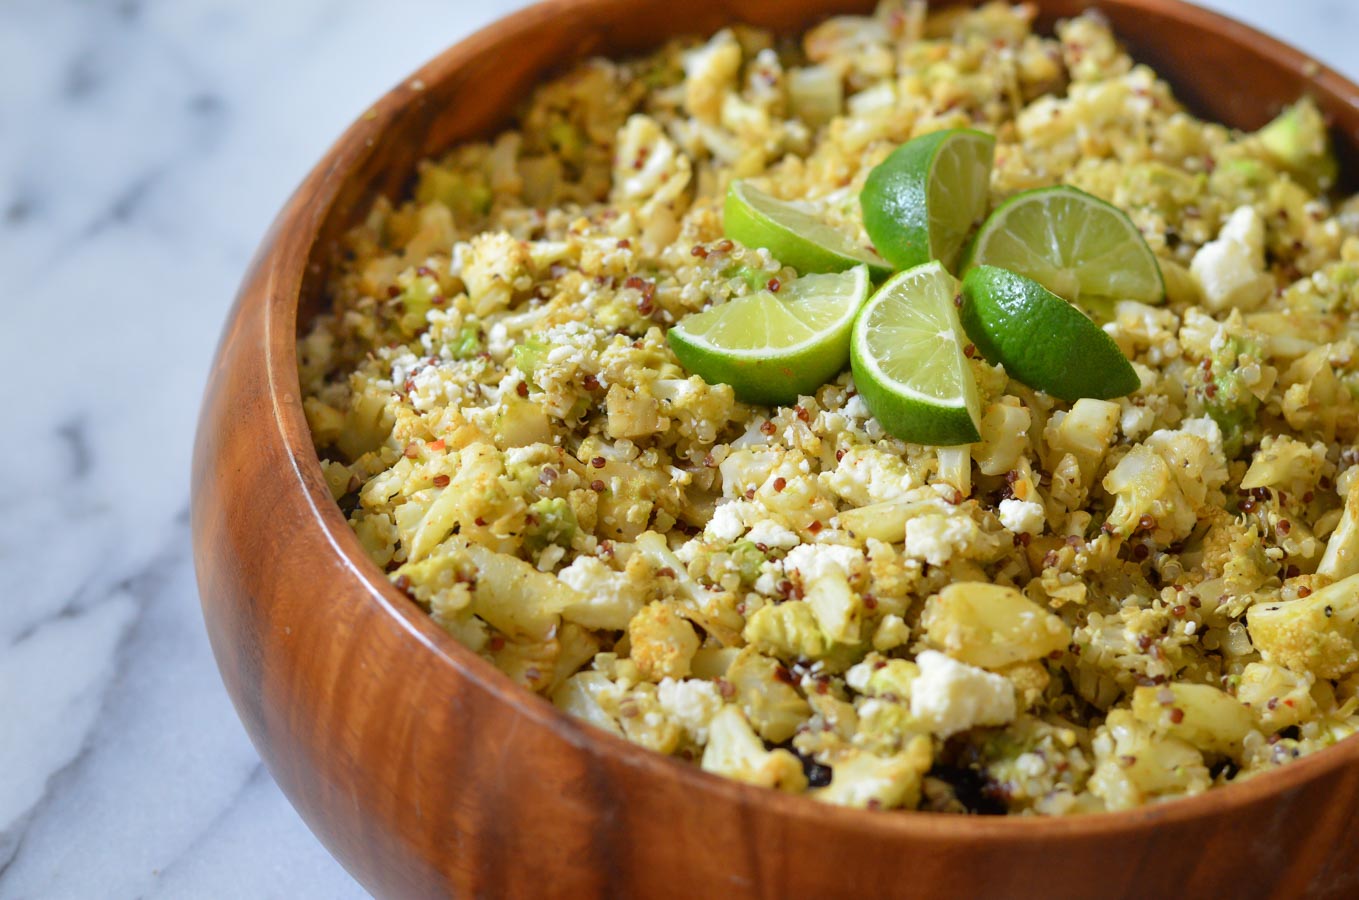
(144, 147)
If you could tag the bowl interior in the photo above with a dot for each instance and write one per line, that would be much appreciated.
(1221, 70)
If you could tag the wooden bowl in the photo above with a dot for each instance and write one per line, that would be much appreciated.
(428, 773)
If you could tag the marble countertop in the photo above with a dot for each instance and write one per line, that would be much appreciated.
(144, 147)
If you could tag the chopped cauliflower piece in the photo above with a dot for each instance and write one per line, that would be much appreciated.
(789, 630)
(1317, 634)
(651, 170)
(1199, 714)
(1004, 437)
(865, 779)
(772, 706)
(1278, 696)
(1022, 516)
(588, 696)
(735, 751)
(991, 626)
(710, 71)
(1341, 559)
(1134, 765)
(1164, 483)
(663, 643)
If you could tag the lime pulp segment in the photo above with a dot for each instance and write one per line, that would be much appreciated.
(923, 201)
(792, 234)
(1074, 244)
(908, 360)
(772, 348)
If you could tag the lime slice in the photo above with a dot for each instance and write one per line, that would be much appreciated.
(773, 348)
(908, 361)
(794, 236)
(1041, 339)
(922, 201)
(1075, 245)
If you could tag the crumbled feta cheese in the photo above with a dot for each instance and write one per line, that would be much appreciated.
(518, 456)
(1206, 428)
(767, 585)
(1136, 420)
(937, 538)
(856, 408)
(1021, 516)
(1230, 270)
(729, 520)
(772, 534)
(1031, 764)
(858, 675)
(813, 561)
(609, 600)
(690, 703)
(688, 551)
(403, 365)
(949, 697)
(867, 475)
(892, 632)
(498, 341)
(1245, 227)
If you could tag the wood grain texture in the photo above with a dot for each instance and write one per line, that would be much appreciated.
(428, 773)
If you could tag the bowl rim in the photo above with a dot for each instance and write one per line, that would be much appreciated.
(313, 203)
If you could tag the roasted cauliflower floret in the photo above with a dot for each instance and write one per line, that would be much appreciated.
(662, 642)
(1317, 634)
(864, 779)
(494, 267)
(1278, 696)
(1198, 714)
(765, 692)
(1134, 765)
(735, 751)
(991, 626)
(1163, 484)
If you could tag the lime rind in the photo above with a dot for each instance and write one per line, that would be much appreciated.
(1071, 242)
(1041, 339)
(908, 363)
(923, 200)
(793, 235)
(773, 348)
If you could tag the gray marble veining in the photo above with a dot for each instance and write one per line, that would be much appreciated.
(144, 147)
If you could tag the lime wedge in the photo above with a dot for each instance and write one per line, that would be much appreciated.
(1072, 243)
(923, 201)
(908, 361)
(1041, 339)
(773, 348)
(795, 237)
